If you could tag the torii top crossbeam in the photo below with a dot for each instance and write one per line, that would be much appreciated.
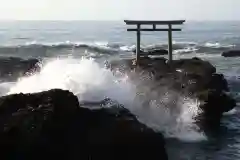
(138, 24)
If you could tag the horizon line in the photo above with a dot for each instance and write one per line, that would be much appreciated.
(103, 20)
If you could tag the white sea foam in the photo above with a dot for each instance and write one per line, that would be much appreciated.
(186, 50)
(185, 42)
(199, 55)
(70, 43)
(217, 45)
(127, 48)
(169, 112)
(231, 112)
(172, 114)
(83, 77)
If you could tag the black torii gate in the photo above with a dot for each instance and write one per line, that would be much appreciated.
(154, 24)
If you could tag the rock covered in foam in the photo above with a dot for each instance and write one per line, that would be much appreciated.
(12, 68)
(193, 78)
(51, 123)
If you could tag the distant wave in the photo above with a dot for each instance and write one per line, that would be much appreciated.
(193, 47)
(21, 38)
(217, 45)
(58, 48)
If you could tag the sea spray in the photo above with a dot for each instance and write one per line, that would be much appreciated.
(84, 77)
(170, 113)
(167, 112)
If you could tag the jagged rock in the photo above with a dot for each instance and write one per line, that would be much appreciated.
(194, 66)
(231, 53)
(51, 124)
(214, 104)
(158, 52)
(152, 52)
(12, 68)
(189, 77)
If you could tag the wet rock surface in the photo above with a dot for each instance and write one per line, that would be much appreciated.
(231, 53)
(12, 68)
(52, 124)
(152, 52)
(192, 78)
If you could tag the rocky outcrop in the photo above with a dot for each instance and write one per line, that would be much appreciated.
(192, 78)
(156, 52)
(12, 68)
(152, 52)
(51, 124)
(231, 53)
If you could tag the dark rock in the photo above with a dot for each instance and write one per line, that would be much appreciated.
(156, 52)
(218, 82)
(141, 50)
(51, 124)
(214, 104)
(194, 66)
(152, 52)
(231, 53)
(12, 68)
(188, 77)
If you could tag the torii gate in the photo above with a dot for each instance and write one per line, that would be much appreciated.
(154, 23)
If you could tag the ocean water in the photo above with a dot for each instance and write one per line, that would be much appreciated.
(73, 55)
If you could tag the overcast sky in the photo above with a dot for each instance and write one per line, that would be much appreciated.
(119, 9)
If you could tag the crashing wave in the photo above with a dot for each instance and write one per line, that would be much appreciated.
(91, 82)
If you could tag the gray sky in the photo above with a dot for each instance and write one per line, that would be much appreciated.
(119, 9)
